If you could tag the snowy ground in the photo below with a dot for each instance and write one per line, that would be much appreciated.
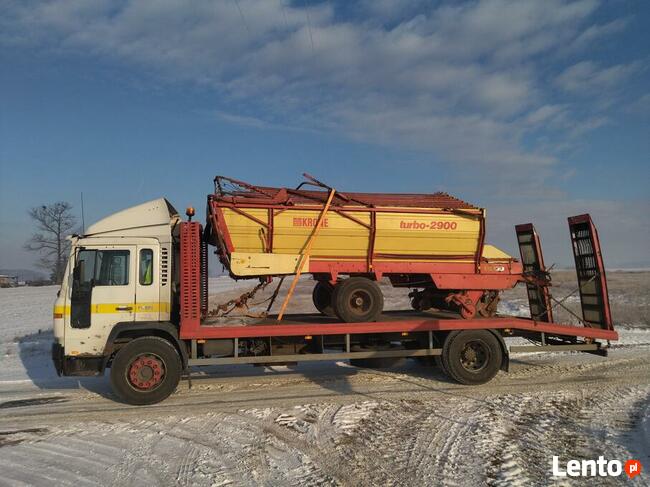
(327, 423)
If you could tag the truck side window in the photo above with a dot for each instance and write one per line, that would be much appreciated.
(85, 268)
(112, 268)
(146, 267)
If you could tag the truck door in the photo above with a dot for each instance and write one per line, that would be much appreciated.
(83, 276)
(103, 288)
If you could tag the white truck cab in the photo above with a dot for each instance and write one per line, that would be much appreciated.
(119, 277)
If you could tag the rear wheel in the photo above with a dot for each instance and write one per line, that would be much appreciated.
(145, 371)
(358, 299)
(471, 356)
(322, 297)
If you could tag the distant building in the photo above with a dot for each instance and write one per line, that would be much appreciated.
(8, 281)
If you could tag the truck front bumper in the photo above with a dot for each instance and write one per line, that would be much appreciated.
(79, 365)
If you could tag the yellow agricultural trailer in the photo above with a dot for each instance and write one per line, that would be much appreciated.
(430, 243)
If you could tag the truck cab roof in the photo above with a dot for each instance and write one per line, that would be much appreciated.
(151, 219)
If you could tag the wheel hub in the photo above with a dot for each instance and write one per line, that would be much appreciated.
(474, 356)
(146, 372)
(360, 302)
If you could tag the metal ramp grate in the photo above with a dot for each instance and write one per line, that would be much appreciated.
(590, 270)
(530, 250)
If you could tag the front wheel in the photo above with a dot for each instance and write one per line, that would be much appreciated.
(145, 371)
(471, 356)
(357, 300)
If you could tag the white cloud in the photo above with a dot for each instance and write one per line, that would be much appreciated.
(597, 32)
(621, 235)
(545, 113)
(587, 77)
(462, 80)
(640, 106)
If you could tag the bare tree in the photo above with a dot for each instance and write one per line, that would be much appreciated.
(53, 223)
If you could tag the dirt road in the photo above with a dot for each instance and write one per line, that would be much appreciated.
(322, 424)
(326, 423)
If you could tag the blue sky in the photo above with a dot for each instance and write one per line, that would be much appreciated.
(534, 110)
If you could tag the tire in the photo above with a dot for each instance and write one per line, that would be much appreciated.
(358, 300)
(322, 298)
(145, 371)
(471, 357)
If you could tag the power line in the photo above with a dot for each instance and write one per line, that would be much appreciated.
(284, 14)
(83, 221)
(242, 15)
(311, 37)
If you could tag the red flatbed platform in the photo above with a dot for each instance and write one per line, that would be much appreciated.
(391, 321)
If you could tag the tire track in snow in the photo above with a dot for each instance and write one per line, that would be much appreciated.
(390, 429)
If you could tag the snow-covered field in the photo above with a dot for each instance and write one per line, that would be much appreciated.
(319, 424)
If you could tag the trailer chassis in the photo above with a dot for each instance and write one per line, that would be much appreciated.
(412, 326)
(415, 328)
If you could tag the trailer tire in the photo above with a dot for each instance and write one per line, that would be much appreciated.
(358, 300)
(471, 357)
(145, 371)
(322, 297)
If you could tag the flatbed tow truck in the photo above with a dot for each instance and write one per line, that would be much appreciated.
(135, 300)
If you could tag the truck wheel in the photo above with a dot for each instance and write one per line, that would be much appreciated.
(322, 297)
(471, 356)
(358, 299)
(145, 371)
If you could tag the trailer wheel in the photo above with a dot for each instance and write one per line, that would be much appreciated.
(358, 299)
(145, 371)
(471, 356)
(322, 297)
